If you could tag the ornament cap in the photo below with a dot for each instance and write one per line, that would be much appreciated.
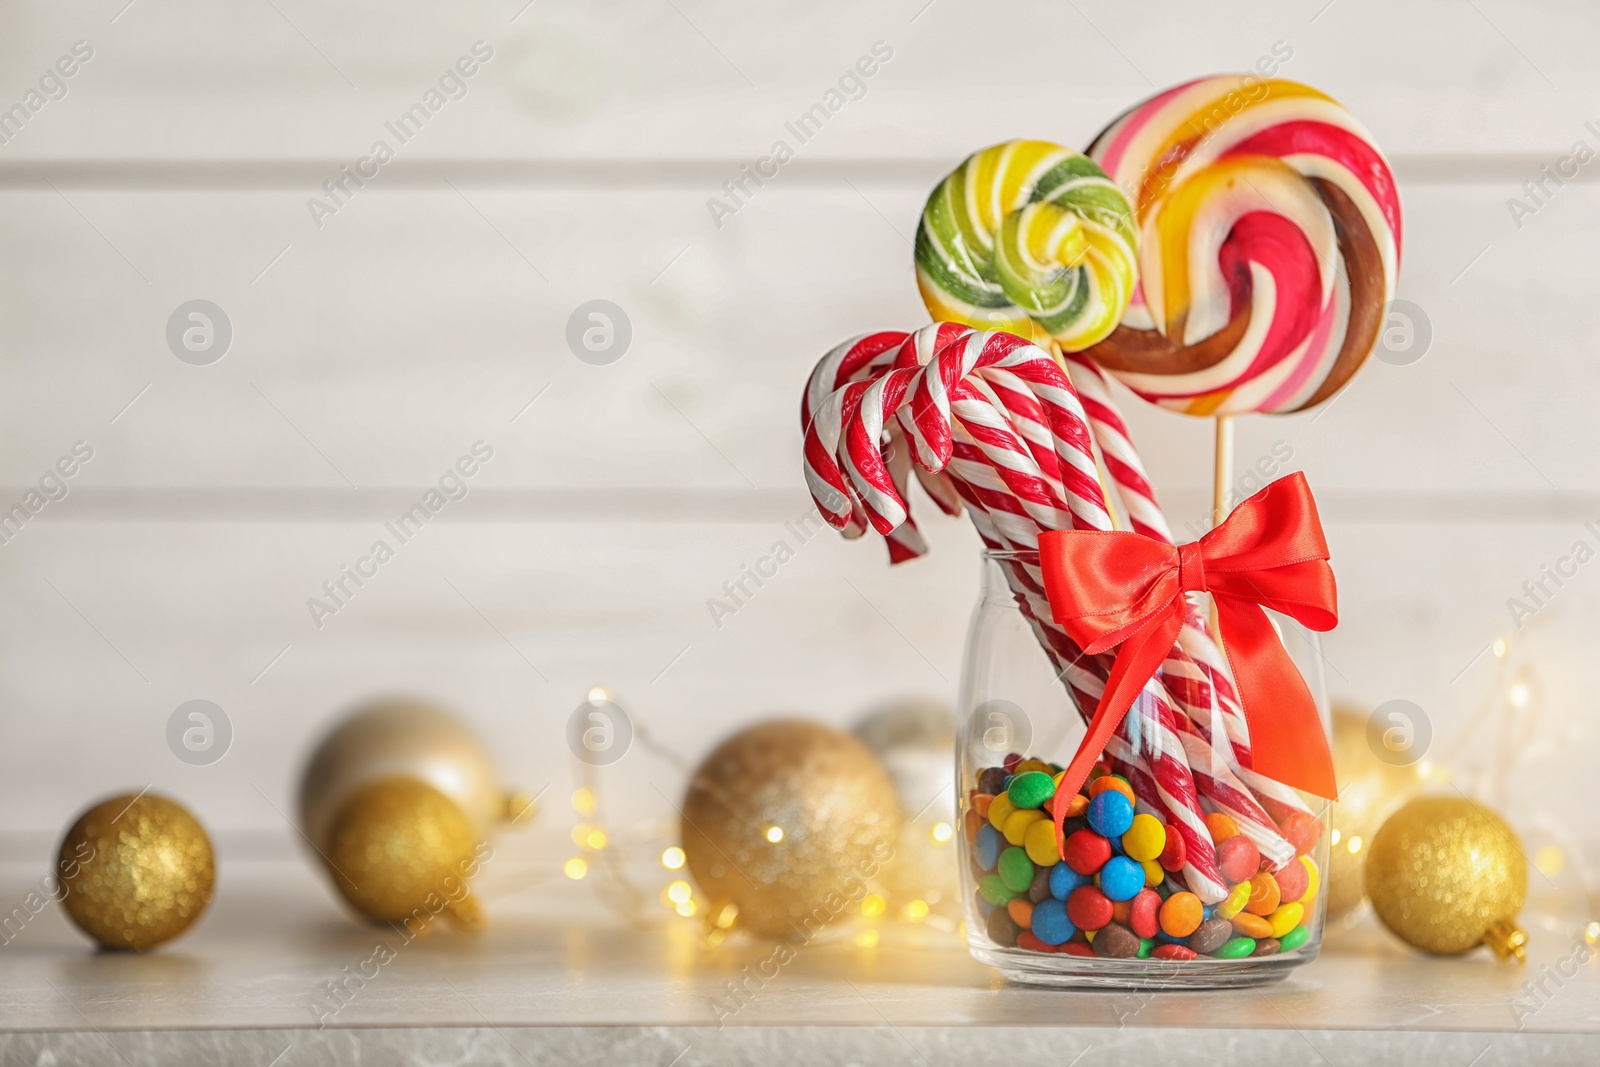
(1507, 939)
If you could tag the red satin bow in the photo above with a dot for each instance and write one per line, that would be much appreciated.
(1111, 588)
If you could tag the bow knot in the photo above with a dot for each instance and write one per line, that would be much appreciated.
(1192, 568)
(1116, 589)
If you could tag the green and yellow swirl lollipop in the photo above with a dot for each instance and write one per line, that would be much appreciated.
(1031, 238)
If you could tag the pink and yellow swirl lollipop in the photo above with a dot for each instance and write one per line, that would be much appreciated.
(1269, 242)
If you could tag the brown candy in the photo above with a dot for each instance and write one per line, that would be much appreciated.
(1001, 929)
(1116, 942)
(992, 781)
(1267, 946)
(1212, 935)
(1039, 888)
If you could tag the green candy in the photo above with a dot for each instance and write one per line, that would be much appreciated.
(1015, 870)
(1145, 945)
(1030, 789)
(995, 891)
(1294, 939)
(1236, 949)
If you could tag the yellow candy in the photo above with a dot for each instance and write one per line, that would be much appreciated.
(1316, 879)
(1145, 838)
(1039, 840)
(1154, 874)
(1033, 765)
(1237, 899)
(1000, 808)
(1016, 828)
(1286, 918)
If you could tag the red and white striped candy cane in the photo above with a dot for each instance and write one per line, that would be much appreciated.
(952, 399)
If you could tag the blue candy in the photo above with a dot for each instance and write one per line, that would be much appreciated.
(1121, 878)
(1050, 922)
(1110, 814)
(1063, 880)
(987, 848)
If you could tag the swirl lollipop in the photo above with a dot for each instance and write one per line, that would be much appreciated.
(1269, 240)
(1030, 238)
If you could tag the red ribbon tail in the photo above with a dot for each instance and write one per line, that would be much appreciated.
(1288, 742)
(1137, 662)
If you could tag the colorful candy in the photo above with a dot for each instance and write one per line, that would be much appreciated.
(1237, 949)
(1040, 843)
(1029, 789)
(1051, 923)
(1121, 878)
(1015, 870)
(1264, 894)
(1088, 908)
(1031, 238)
(1063, 880)
(1238, 858)
(1117, 942)
(1293, 880)
(1294, 939)
(1181, 914)
(1145, 839)
(1086, 852)
(1269, 243)
(987, 846)
(1110, 814)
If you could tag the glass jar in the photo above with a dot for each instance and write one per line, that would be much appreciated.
(1014, 707)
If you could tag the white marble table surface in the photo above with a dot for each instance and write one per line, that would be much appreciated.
(555, 980)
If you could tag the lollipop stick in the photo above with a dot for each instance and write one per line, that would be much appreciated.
(1222, 469)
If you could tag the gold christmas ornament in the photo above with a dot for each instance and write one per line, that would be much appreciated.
(786, 825)
(137, 870)
(400, 850)
(1446, 875)
(1369, 789)
(395, 799)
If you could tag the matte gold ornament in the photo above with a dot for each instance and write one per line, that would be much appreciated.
(395, 799)
(1369, 789)
(402, 851)
(137, 870)
(1446, 875)
(789, 823)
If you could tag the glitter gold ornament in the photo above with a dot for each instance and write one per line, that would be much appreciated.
(137, 871)
(400, 850)
(789, 823)
(1369, 789)
(1446, 875)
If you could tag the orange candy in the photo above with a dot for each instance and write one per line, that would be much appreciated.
(1110, 781)
(972, 822)
(1250, 925)
(1302, 830)
(1264, 895)
(1120, 910)
(1221, 826)
(1021, 912)
(1181, 914)
(1077, 804)
(981, 802)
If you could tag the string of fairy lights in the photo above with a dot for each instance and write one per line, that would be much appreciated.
(669, 895)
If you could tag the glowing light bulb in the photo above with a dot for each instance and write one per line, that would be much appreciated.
(1591, 933)
(575, 868)
(583, 801)
(940, 833)
(672, 859)
(774, 834)
(1519, 695)
(1355, 844)
(686, 909)
(595, 839)
(1501, 648)
(1337, 833)
(679, 892)
(867, 939)
(598, 695)
(873, 905)
(917, 910)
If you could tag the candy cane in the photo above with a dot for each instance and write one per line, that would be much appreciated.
(952, 397)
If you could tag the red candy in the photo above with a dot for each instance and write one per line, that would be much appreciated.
(1088, 908)
(1174, 855)
(1144, 913)
(1011, 762)
(1086, 852)
(1302, 830)
(1033, 944)
(1238, 858)
(1165, 952)
(1293, 880)
(1077, 948)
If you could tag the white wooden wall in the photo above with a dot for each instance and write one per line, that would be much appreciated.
(426, 314)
